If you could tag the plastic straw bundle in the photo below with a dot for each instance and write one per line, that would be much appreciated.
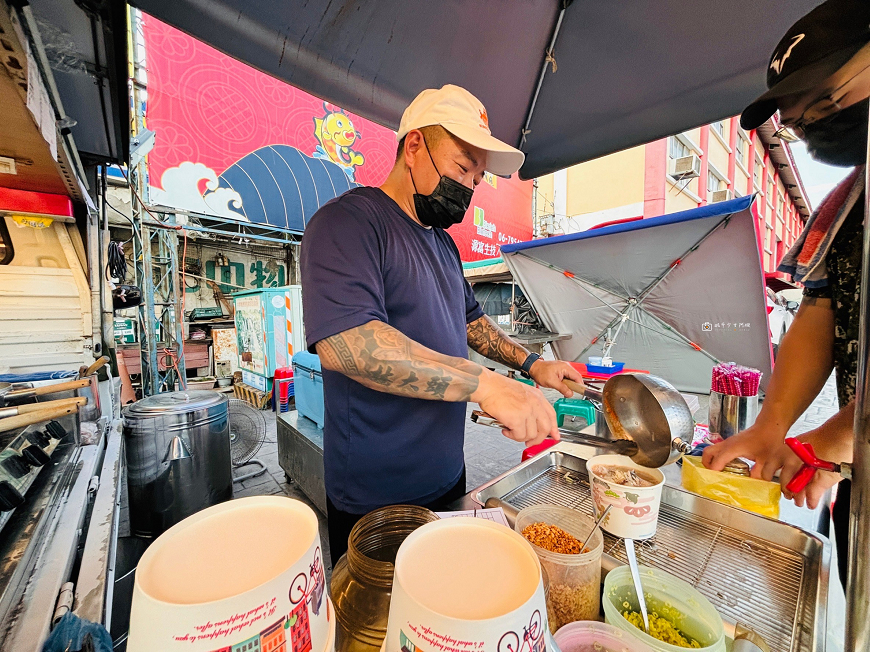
(736, 380)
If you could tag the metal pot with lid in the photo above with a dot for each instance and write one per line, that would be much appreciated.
(178, 457)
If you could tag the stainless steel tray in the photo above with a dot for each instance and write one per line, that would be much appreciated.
(761, 573)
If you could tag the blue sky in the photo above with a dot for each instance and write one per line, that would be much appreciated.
(819, 179)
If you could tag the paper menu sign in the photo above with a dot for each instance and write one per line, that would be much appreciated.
(495, 514)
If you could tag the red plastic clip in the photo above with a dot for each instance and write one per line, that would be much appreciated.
(568, 274)
(811, 464)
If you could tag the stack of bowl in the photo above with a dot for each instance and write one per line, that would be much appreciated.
(466, 584)
(243, 573)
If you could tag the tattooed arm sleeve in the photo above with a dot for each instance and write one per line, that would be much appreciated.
(382, 358)
(490, 341)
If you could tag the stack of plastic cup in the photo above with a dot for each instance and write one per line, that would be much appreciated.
(285, 389)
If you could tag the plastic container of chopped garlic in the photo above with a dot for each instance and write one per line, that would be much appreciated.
(575, 579)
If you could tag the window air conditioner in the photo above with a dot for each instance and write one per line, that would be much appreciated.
(686, 167)
(721, 195)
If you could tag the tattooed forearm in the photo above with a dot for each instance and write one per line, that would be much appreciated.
(490, 341)
(380, 357)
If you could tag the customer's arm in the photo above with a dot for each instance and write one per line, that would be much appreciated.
(803, 366)
(384, 359)
(490, 341)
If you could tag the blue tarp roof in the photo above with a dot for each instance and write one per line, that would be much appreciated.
(711, 210)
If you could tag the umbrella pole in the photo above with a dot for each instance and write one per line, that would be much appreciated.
(858, 585)
(513, 303)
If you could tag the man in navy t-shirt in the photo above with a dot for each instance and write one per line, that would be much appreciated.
(390, 314)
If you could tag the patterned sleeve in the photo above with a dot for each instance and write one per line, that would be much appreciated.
(818, 293)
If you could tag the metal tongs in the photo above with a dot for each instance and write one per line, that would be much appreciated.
(811, 464)
(620, 446)
(642, 410)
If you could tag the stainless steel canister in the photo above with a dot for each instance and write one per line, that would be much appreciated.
(731, 414)
(178, 457)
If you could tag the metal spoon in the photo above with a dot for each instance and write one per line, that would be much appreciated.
(595, 527)
(635, 575)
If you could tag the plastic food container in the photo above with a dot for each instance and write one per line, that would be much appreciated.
(591, 636)
(611, 369)
(635, 511)
(669, 597)
(362, 580)
(575, 580)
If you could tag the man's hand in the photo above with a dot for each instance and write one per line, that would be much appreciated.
(552, 374)
(761, 443)
(527, 415)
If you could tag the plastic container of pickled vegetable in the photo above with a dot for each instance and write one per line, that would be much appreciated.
(757, 496)
(689, 612)
(574, 579)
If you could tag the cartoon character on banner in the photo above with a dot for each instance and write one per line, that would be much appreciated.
(532, 639)
(335, 133)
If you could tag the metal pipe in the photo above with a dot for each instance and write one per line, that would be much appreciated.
(550, 56)
(93, 235)
(107, 314)
(858, 584)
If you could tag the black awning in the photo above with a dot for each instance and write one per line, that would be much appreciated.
(626, 72)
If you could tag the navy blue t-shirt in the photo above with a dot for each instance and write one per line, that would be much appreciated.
(364, 259)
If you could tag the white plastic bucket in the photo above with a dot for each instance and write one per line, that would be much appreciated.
(465, 584)
(248, 570)
(635, 511)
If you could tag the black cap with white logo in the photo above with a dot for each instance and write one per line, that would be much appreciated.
(813, 49)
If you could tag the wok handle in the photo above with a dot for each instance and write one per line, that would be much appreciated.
(36, 407)
(22, 420)
(586, 391)
(97, 365)
(48, 389)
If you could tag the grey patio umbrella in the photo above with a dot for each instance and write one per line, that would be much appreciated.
(676, 293)
(566, 81)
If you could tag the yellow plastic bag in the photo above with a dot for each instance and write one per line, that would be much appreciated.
(754, 495)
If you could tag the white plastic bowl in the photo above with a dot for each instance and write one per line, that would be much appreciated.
(635, 510)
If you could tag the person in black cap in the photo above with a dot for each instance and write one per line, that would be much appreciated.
(819, 81)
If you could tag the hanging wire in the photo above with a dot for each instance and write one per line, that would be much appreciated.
(116, 262)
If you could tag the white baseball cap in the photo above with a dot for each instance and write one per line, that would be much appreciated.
(463, 115)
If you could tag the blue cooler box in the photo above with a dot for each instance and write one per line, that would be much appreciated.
(308, 385)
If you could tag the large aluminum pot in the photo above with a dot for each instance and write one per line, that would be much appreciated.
(178, 457)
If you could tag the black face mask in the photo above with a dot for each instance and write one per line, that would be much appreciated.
(446, 205)
(840, 139)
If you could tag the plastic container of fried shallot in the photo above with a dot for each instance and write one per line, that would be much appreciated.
(575, 580)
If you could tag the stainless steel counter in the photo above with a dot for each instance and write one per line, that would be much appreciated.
(300, 454)
(769, 575)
